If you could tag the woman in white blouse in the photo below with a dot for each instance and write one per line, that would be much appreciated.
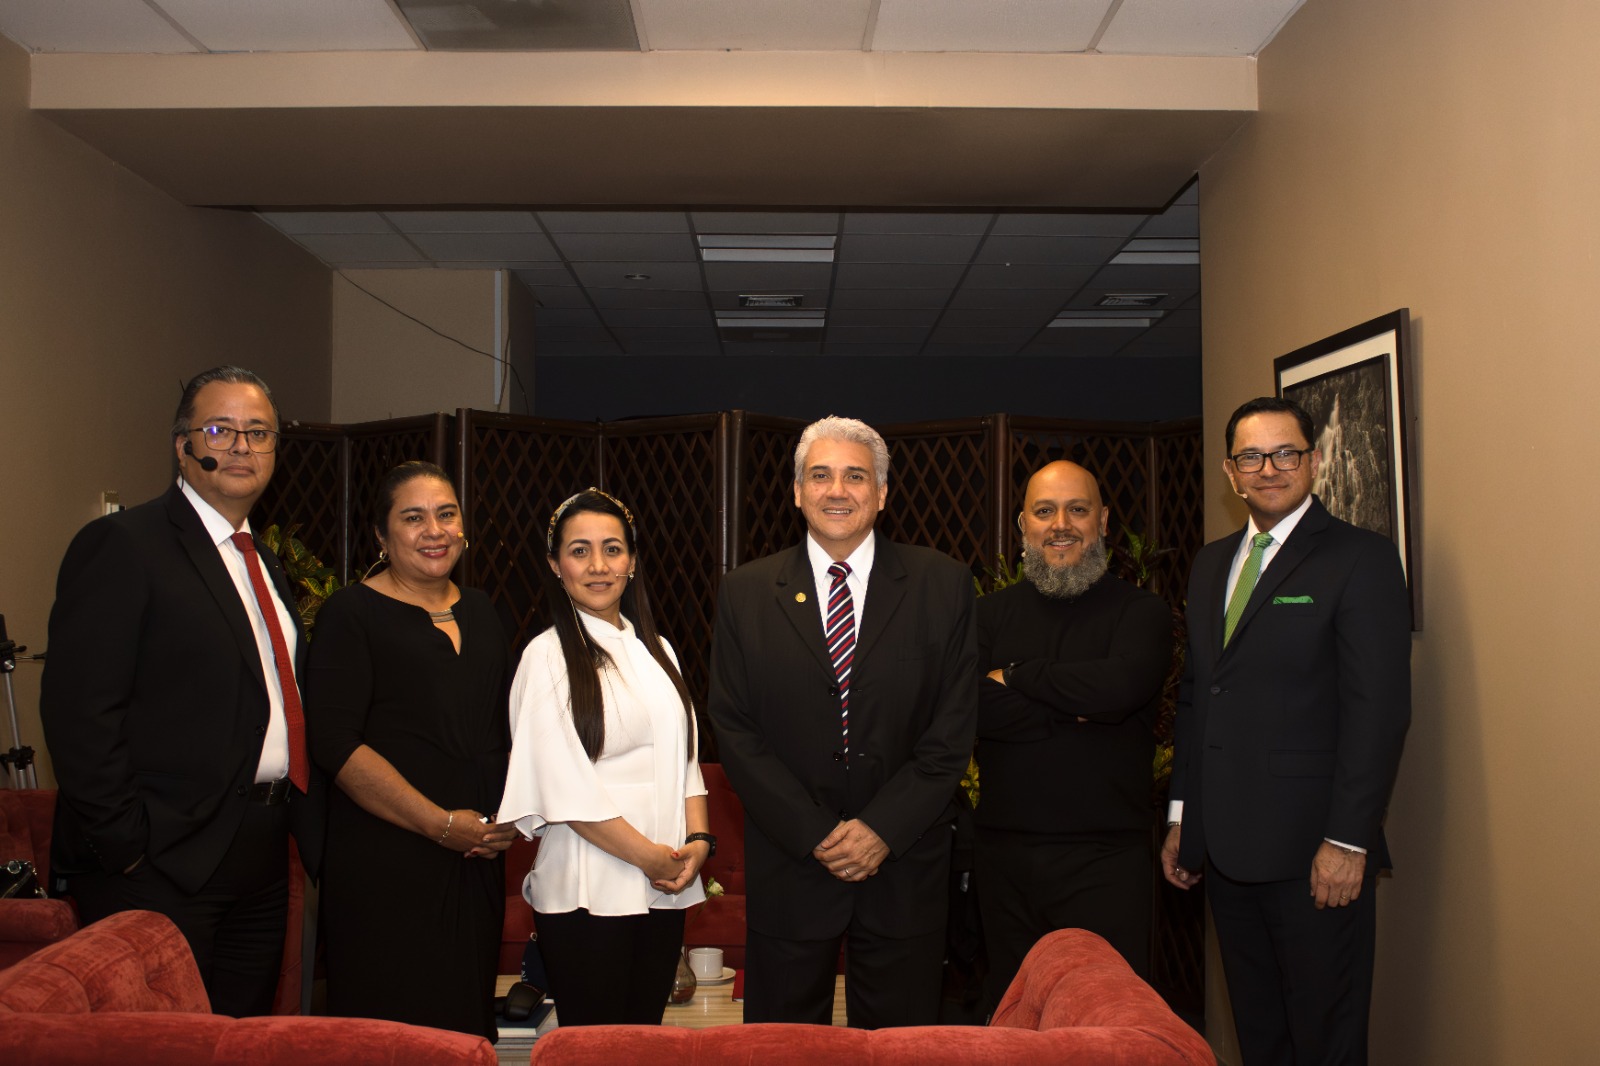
(603, 769)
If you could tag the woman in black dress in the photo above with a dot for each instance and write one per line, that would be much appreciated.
(406, 707)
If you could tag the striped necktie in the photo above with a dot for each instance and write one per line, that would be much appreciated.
(293, 717)
(1246, 585)
(841, 636)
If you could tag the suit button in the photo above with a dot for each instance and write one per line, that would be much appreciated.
(261, 730)
(1216, 690)
(844, 816)
(242, 790)
(833, 690)
(838, 756)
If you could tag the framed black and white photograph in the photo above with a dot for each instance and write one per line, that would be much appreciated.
(1355, 385)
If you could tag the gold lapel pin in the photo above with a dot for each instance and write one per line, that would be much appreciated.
(799, 597)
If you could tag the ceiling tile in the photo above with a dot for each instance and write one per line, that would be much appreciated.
(906, 248)
(641, 297)
(1218, 28)
(1041, 301)
(1066, 224)
(899, 275)
(564, 318)
(1088, 342)
(878, 335)
(543, 277)
(868, 299)
(767, 277)
(996, 316)
(573, 336)
(935, 223)
(464, 221)
(670, 317)
(1064, 279)
(340, 248)
(869, 350)
(753, 25)
(556, 296)
(615, 221)
(478, 247)
(770, 349)
(682, 276)
(627, 247)
(765, 221)
(1176, 221)
(296, 222)
(291, 25)
(1066, 251)
(990, 26)
(847, 319)
(1005, 337)
(91, 26)
(679, 338)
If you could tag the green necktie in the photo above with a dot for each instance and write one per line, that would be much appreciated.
(1246, 585)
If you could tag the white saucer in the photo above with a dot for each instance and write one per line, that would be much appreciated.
(727, 975)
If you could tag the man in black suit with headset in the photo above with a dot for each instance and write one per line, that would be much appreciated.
(171, 709)
(1293, 711)
(844, 697)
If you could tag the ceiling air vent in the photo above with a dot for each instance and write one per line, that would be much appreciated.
(770, 301)
(1131, 299)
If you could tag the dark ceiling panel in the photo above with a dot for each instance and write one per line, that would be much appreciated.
(899, 275)
(907, 248)
(768, 277)
(1062, 279)
(642, 297)
(627, 247)
(680, 276)
(911, 222)
(1067, 251)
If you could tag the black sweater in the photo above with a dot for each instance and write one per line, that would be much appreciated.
(1102, 657)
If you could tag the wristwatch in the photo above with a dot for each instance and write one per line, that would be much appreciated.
(707, 837)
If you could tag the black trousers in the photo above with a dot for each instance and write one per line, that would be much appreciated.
(888, 982)
(235, 924)
(1030, 884)
(610, 970)
(1300, 979)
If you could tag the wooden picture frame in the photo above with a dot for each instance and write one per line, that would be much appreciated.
(1356, 386)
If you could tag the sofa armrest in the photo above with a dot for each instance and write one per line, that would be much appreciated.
(37, 921)
(179, 1039)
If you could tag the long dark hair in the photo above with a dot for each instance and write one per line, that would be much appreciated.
(584, 658)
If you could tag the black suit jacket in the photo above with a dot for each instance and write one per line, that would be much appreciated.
(914, 701)
(1293, 733)
(153, 699)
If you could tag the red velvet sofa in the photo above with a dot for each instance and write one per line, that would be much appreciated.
(1074, 1001)
(718, 923)
(26, 925)
(126, 990)
(26, 818)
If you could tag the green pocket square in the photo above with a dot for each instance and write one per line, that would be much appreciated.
(1291, 599)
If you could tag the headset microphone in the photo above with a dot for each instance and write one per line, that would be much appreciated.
(207, 463)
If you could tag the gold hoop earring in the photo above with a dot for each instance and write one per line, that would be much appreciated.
(465, 543)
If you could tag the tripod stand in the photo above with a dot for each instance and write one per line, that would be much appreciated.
(19, 759)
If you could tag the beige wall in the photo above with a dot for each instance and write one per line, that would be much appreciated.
(1445, 155)
(386, 365)
(111, 293)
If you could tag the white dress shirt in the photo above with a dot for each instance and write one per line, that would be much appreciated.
(644, 774)
(860, 563)
(275, 745)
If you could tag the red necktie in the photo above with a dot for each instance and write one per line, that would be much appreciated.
(292, 715)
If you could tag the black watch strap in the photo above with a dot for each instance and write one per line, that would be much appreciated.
(707, 837)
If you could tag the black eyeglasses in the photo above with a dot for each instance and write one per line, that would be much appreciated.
(1282, 459)
(221, 438)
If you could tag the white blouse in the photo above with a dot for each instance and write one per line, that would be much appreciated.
(644, 774)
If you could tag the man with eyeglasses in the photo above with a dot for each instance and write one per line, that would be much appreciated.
(1294, 707)
(171, 709)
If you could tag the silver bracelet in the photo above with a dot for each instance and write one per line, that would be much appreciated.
(448, 823)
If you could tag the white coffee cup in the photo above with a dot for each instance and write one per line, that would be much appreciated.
(706, 963)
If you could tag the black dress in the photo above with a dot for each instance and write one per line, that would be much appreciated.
(411, 929)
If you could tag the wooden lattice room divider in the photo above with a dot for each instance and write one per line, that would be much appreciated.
(712, 491)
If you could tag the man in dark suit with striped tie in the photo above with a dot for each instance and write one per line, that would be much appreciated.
(844, 698)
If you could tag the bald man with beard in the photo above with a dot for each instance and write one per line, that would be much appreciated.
(1074, 659)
